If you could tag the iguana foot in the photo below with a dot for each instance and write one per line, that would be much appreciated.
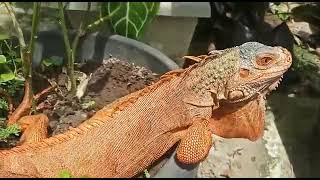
(34, 128)
(195, 146)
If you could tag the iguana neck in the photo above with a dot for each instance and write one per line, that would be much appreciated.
(213, 74)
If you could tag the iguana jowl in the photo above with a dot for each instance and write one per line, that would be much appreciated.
(222, 94)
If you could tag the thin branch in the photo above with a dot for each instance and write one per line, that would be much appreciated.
(64, 29)
(98, 22)
(46, 91)
(76, 41)
(35, 22)
(70, 64)
(15, 24)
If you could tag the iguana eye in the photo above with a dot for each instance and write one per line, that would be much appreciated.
(264, 61)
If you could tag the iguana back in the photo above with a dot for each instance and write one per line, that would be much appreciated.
(138, 132)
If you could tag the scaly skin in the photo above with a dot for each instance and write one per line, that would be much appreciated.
(222, 94)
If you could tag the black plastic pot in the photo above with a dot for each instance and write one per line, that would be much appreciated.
(97, 47)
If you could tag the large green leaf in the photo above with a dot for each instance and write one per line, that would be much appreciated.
(130, 19)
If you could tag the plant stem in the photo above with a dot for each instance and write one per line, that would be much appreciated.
(98, 22)
(70, 63)
(76, 41)
(35, 22)
(26, 57)
(71, 51)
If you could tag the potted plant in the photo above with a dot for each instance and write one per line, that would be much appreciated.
(75, 49)
(171, 30)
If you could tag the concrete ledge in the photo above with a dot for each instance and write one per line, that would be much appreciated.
(238, 158)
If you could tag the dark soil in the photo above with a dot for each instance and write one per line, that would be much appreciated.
(109, 81)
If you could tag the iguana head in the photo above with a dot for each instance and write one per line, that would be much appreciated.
(261, 70)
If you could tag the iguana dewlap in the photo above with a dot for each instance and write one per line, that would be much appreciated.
(222, 94)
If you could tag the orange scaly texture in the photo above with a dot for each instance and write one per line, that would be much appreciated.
(194, 148)
(109, 144)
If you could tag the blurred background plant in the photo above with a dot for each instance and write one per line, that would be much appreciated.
(129, 19)
(11, 85)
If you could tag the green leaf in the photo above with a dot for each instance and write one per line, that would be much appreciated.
(53, 61)
(4, 36)
(283, 16)
(306, 61)
(130, 19)
(18, 60)
(13, 129)
(19, 80)
(65, 174)
(3, 59)
(3, 104)
(7, 77)
(146, 173)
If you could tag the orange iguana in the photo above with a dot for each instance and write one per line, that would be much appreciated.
(222, 94)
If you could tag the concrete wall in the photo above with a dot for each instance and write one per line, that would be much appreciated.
(171, 35)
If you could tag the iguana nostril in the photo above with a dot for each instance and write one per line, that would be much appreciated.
(244, 73)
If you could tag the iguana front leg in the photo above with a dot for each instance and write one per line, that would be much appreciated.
(34, 128)
(228, 122)
(195, 146)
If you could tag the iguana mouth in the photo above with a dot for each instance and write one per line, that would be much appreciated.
(257, 88)
(272, 87)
